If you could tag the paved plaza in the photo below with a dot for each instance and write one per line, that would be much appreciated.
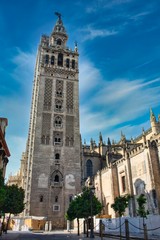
(60, 235)
(56, 235)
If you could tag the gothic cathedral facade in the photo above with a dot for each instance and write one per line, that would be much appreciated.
(53, 166)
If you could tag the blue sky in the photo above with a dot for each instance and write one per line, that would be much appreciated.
(119, 64)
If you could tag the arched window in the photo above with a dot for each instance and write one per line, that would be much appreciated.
(56, 198)
(59, 93)
(70, 198)
(57, 137)
(139, 186)
(89, 168)
(41, 198)
(73, 64)
(56, 179)
(57, 140)
(59, 41)
(43, 139)
(67, 62)
(57, 156)
(58, 106)
(46, 59)
(52, 60)
(58, 122)
(123, 179)
(60, 59)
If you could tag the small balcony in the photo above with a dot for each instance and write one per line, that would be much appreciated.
(57, 184)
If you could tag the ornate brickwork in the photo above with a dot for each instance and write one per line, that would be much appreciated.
(69, 130)
(46, 125)
(69, 92)
(58, 72)
(59, 88)
(47, 94)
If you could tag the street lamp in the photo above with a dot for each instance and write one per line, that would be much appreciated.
(92, 191)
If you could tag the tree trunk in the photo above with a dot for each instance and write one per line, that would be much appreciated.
(78, 225)
(87, 227)
(2, 228)
(7, 223)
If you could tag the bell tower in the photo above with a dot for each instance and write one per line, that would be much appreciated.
(53, 169)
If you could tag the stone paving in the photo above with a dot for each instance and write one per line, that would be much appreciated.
(12, 235)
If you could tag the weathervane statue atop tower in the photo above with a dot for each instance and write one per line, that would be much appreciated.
(58, 15)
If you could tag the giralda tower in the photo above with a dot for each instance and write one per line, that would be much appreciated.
(53, 167)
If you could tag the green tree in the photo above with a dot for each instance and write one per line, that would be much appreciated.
(1, 179)
(80, 207)
(74, 210)
(120, 204)
(141, 211)
(14, 201)
(2, 191)
(2, 196)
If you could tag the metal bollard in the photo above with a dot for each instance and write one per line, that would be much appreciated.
(127, 229)
(101, 229)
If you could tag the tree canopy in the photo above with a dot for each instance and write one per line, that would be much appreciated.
(11, 198)
(120, 204)
(80, 206)
(141, 211)
(14, 200)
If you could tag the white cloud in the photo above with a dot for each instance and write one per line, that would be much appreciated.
(24, 59)
(119, 102)
(101, 4)
(16, 146)
(119, 89)
(16, 106)
(95, 121)
(129, 130)
(17, 111)
(139, 16)
(25, 62)
(89, 76)
(89, 33)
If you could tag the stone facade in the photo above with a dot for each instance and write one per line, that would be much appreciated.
(128, 167)
(52, 166)
(4, 151)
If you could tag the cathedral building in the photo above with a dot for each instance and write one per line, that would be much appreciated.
(126, 167)
(52, 173)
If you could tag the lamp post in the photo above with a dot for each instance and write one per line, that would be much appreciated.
(92, 191)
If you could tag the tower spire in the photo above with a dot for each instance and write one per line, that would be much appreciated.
(100, 138)
(152, 116)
